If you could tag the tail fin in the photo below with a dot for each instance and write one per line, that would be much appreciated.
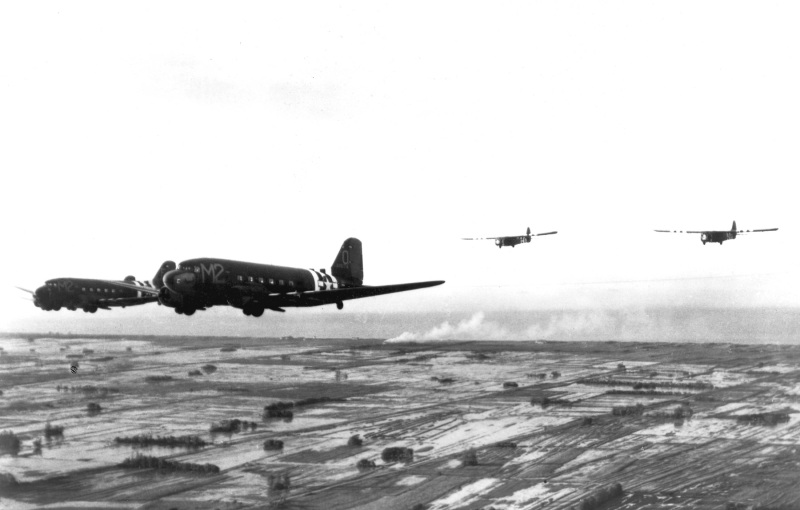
(158, 279)
(349, 265)
(733, 228)
(528, 232)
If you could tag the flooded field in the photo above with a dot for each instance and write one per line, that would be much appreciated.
(503, 425)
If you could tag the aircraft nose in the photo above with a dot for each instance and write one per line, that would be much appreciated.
(41, 294)
(178, 279)
(169, 279)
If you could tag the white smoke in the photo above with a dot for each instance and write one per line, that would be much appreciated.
(474, 328)
(558, 325)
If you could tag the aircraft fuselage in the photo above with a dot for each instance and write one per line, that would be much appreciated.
(717, 236)
(204, 282)
(88, 294)
(511, 241)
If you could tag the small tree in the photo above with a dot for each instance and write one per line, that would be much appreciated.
(273, 444)
(51, 431)
(9, 443)
(365, 465)
(470, 458)
(397, 454)
(355, 441)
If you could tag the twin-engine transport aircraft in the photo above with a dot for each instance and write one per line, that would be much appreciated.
(510, 240)
(198, 284)
(90, 294)
(718, 236)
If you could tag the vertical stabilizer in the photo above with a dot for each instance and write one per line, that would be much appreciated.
(733, 228)
(348, 266)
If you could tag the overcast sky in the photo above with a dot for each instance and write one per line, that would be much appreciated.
(270, 132)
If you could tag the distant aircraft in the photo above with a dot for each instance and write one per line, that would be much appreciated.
(91, 294)
(510, 240)
(198, 284)
(718, 236)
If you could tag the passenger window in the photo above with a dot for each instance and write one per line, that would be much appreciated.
(250, 279)
(83, 289)
(280, 282)
(196, 269)
(261, 281)
(272, 281)
(240, 278)
(291, 283)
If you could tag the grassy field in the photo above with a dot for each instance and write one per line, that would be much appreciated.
(691, 426)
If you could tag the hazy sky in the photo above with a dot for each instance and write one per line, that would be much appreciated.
(270, 132)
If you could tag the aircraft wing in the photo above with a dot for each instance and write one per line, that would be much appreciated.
(145, 290)
(545, 233)
(324, 297)
(478, 238)
(746, 231)
(692, 231)
(126, 301)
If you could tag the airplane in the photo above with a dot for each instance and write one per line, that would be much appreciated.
(510, 240)
(92, 294)
(198, 284)
(718, 236)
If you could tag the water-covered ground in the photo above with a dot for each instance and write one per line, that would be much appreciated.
(517, 425)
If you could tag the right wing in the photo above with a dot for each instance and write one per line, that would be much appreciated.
(692, 231)
(126, 301)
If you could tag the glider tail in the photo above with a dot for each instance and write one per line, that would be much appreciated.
(348, 266)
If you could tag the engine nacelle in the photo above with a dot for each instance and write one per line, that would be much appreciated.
(168, 298)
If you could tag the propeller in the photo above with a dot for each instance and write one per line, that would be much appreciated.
(25, 290)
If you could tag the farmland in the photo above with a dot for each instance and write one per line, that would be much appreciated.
(182, 422)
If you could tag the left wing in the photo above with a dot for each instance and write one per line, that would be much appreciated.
(746, 231)
(508, 237)
(324, 297)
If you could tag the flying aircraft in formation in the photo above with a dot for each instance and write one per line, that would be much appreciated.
(198, 284)
(92, 294)
(718, 236)
(510, 240)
